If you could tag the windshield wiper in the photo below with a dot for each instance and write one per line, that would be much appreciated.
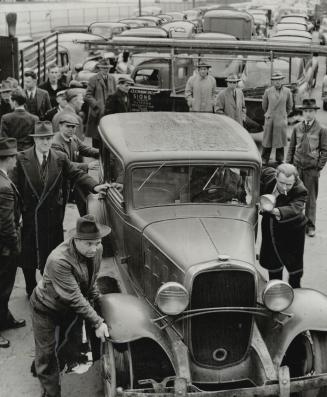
(154, 172)
(213, 174)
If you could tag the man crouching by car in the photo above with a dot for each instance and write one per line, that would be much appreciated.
(64, 295)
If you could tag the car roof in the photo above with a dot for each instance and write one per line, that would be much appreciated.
(169, 136)
(108, 24)
(213, 36)
(145, 32)
(228, 14)
(291, 26)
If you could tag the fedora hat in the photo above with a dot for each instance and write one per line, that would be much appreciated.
(233, 78)
(104, 64)
(309, 103)
(8, 147)
(87, 228)
(5, 86)
(203, 64)
(277, 76)
(43, 128)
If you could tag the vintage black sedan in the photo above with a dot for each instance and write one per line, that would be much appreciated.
(188, 308)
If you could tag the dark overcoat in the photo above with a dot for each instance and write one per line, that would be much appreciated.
(276, 105)
(43, 204)
(283, 240)
(96, 95)
(19, 124)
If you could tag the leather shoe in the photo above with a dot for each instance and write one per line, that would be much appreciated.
(4, 342)
(13, 323)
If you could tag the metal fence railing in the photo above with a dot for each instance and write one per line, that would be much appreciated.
(40, 21)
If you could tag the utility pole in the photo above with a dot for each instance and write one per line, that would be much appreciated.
(140, 7)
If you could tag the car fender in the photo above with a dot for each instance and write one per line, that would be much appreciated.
(128, 318)
(308, 311)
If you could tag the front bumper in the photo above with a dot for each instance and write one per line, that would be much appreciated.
(282, 388)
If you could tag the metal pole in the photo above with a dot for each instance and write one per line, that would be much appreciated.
(193, 3)
(140, 7)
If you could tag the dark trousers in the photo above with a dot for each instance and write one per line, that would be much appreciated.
(8, 267)
(30, 279)
(310, 179)
(266, 152)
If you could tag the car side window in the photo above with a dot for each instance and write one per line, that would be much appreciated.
(147, 77)
(113, 171)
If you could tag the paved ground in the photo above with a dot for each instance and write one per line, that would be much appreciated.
(15, 378)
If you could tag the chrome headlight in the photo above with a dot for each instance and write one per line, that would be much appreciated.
(172, 298)
(278, 295)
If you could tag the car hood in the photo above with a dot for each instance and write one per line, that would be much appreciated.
(191, 241)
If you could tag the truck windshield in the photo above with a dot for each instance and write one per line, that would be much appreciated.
(218, 183)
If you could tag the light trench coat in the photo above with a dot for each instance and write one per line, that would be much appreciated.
(276, 105)
(200, 93)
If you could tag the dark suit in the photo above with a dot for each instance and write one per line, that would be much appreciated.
(9, 241)
(74, 149)
(42, 103)
(53, 93)
(19, 124)
(43, 204)
(117, 103)
(5, 108)
(51, 113)
(283, 240)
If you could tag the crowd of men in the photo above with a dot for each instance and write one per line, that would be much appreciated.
(42, 131)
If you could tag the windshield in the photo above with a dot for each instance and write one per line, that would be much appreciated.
(166, 184)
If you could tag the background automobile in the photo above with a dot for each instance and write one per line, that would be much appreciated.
(107, 29)
(180, 29)
(135, 23)
(155, 31)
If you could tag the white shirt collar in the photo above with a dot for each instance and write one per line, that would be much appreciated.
(5, 172)
(33, 91)
(39, 156)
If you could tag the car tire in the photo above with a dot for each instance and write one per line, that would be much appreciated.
(115, 367)
(307, 354)
(324, 105)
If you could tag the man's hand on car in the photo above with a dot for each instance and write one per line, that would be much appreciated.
(101, 188)
(102, 332)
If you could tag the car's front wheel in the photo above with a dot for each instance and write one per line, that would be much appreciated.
(116, 368)
(307, 355)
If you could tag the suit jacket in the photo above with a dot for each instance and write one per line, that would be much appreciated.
(276, 105)
(233, 108)
(96, 95)
(116, 103)
(43, 202)
(43, 103)
(9, 217)
(52, 93)
(51, 113)
(67, 287)
(70, 110)
(19, 124)
(316, 157)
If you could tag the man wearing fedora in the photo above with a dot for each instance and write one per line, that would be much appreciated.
(283, 223)
(230, 101)
(200, 90)
(19, 124)
(99, 88)
(5, 98)
(9, 235)
(277, 103)
(67, 142)
(119, 101)
(39, 177)
(308, 152)
(65, 294)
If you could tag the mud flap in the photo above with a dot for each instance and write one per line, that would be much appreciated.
(284, 381)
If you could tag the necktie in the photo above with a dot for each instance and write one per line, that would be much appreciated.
(234, 95)
(43, 167)
(305, 144)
